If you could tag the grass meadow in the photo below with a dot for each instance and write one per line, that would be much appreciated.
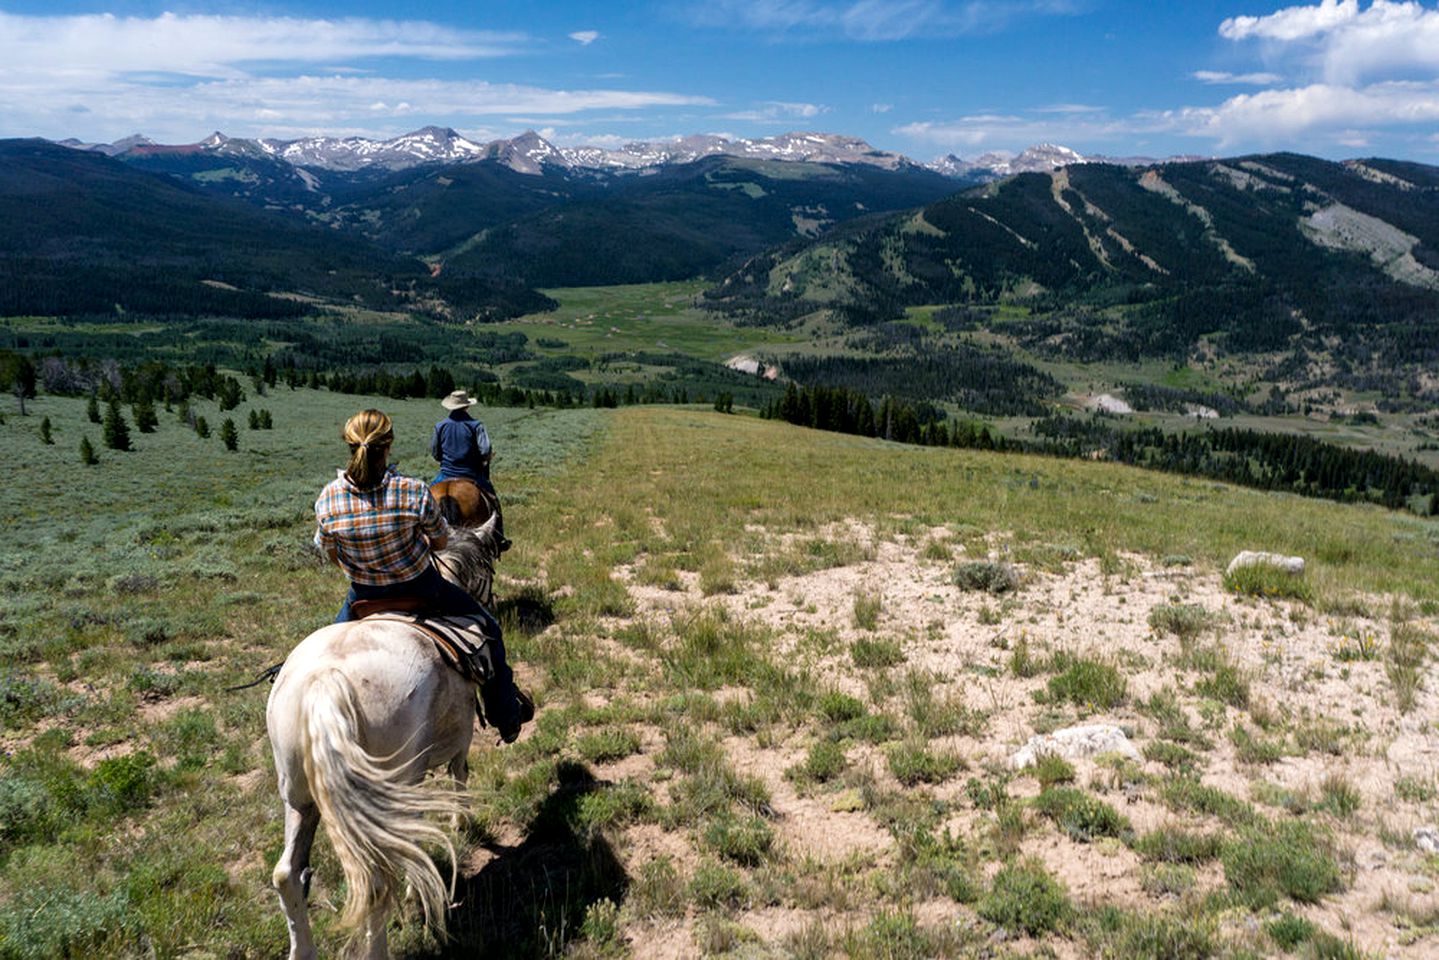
(779, 673)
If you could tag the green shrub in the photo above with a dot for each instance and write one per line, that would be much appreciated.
(1172, 755)
(1226, 684)
(1026, 898)
(658, 891)
(1187, 793)
(1284, 859)
(1185, 620)
(1116, 933)
(1081, 815)
(867, 653)
(872, 727)
(1087, 682)
(986, 576)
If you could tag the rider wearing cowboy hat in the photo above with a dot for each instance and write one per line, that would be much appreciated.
(462, 446)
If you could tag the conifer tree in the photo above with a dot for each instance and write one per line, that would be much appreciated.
(92, 409)
(87, 452)
(115, 432)
(202, 427)
(229, 436)
(45, 436)
(265, 422)
(254, 419)
(145, 419)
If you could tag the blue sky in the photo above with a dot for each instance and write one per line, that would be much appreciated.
(1334, 78)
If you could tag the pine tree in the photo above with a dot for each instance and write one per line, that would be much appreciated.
(87, 452)
(229, 436)
(254, 419)
(115, 432)
(92, 409)
(202, 427)
(265, 422)
(45, 437)
(144, 410)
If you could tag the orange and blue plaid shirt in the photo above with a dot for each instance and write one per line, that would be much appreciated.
(379, 535)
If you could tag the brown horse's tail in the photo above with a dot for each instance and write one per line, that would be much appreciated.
(451, 510)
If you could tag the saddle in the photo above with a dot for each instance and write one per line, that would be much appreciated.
(460, 640)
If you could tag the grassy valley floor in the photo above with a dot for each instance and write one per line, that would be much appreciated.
(781, 674)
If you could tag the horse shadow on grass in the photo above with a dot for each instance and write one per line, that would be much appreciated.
(531, 899)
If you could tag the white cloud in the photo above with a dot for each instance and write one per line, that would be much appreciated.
(1292, 23)
(870, 20)
(585, 37)
(1246, 79)
(1276, 117)
(881, 107)
(175, 77)
(1069, 108)
(995, 131)
(216, 46)
(776, 111)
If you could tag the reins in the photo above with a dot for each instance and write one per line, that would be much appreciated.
(269, 673)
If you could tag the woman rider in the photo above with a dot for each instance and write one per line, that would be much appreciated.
(462, 447)
(380, 527)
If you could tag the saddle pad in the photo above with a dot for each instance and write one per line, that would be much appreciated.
(461, 642)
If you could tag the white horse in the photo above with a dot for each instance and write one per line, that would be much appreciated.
(358, 714)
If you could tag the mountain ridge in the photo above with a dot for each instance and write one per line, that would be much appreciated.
(530, 152)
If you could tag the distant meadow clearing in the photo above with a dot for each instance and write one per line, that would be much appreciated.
(780, 674)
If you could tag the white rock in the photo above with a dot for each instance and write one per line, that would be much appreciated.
(1074, 742)
(1427, 839)
(1250, 558)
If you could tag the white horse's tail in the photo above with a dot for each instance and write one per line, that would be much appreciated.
(376, 820)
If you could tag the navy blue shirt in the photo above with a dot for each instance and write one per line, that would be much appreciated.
(460, 443)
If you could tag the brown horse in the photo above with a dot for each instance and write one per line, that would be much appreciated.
(464, 503)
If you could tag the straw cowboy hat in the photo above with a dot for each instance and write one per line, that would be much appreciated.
(458, 400)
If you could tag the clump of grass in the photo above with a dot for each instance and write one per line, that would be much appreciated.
(936, 550)
(1082, 815)
(1357, 646)
(837, 707)
(825, 761)
(1267, 581)
(1416, 789)
(912, 762)
(1087, 682)
(1188, 794)
(1266, 862)
(1290, 931)
(871, 728)
(608, 745)
(1225, 683)
(1164, 708)
(867, 608)
(717, 574)
(1181, 935)
(1175, 845)
(1172, 755)
(716, 885)
(875, 653)
(939, 716)
(1187, 621)
(1051, 768)
(743, 840)
(1339, 796)
(658, 891)
(1023, 663)
(986, 576)
(1404, 662)
(1024, 897)
(1254, 749)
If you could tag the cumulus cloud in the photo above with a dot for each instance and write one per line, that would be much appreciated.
(1273, 117)
(1292, 23)
(585, 37)
(995, 131)
(1246, 79)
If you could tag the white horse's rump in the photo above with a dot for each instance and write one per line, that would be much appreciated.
(358, 714)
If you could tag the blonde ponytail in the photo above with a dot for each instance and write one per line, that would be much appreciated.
(369, 434)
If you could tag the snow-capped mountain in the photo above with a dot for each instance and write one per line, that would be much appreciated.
(530, 153)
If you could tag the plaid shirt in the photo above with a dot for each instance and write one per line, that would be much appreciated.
(379, 535)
